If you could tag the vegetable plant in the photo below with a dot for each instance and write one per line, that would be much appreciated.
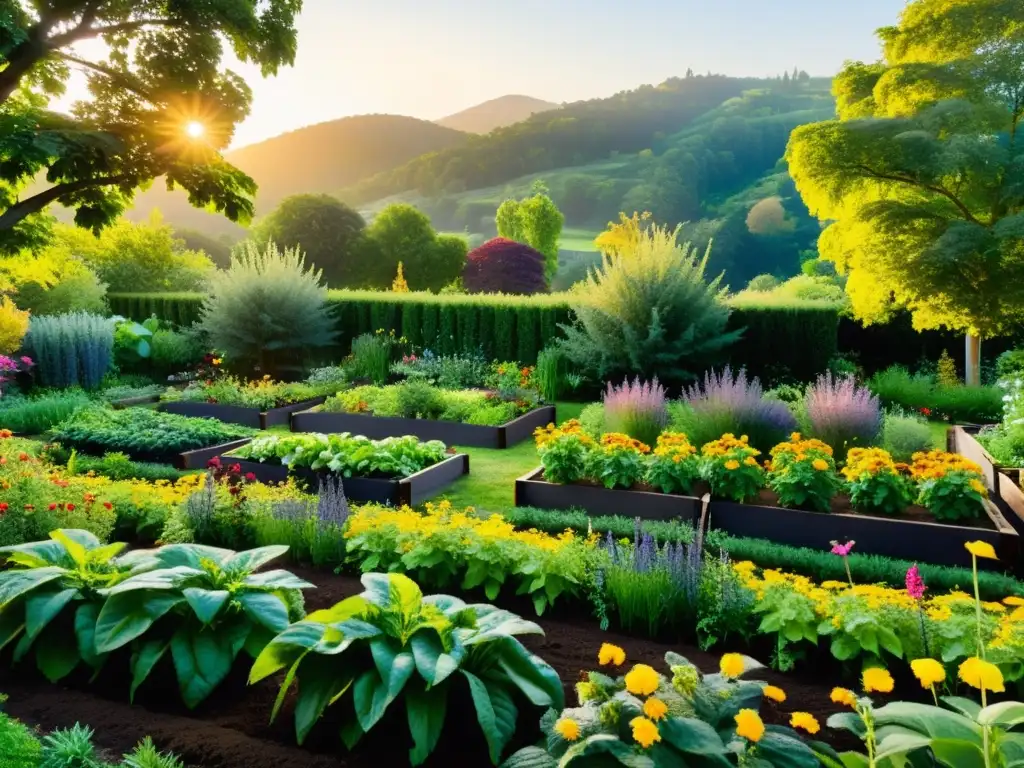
(392, 643)
(51, 594)
(204, 605)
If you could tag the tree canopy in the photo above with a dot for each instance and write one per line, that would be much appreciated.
(921, 174)
(160, 104)
(534, 221)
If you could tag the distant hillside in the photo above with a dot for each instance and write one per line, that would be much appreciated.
(496, 113)
(318, 158)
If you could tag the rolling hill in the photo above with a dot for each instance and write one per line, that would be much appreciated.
(496, 113)
(318, 158)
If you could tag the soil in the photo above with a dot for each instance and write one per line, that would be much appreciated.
(231, 729)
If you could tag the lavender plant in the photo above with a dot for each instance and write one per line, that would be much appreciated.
(636, 409)
(311, 527)
(726, 403)
(842, 414)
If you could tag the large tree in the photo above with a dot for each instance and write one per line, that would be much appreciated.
(534, 221)
(160, 103)
(922, 175)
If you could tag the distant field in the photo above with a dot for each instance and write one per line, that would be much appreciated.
(574, 239)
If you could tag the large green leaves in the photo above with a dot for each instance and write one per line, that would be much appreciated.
(204, 658)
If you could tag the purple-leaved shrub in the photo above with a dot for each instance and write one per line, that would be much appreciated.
(636, 409)
(842, 414)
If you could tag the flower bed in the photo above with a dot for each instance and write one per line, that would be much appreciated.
(397, 470)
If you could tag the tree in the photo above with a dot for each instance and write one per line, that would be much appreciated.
(534, 221)
(401, 232)
(323, 228)
(506, 266)
(160, 103)
(768, 217)
(921, 174)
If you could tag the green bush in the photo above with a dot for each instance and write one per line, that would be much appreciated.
(175, 351)
(38, 413)
(72, 349)
(268, 309)
(419, 400)
(903, 436)
(77, 289)
(649, 310)
(969, 405)
(371, 358)
(895, 386)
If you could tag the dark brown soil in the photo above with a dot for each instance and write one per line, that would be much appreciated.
(231, 729)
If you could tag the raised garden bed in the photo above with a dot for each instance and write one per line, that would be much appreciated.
(963, 440)
(130, 402)
(411, 490)
(236, 414)
(449, 432)
(200, 457)
(532, 490)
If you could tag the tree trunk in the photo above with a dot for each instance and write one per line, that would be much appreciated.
(972, 363)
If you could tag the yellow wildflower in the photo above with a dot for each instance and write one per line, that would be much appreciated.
(981, 674)
(928, 671)
(806, 721)
(844, 696)
(642, 680)
(749, 725)
(655, 708)
(1013, 600)
(877, 679)
(732, 665)
(568, 729)
(774, 693)
(820, 464)
(981, 549)
(645, 732)
(611, 654)
(732, 464)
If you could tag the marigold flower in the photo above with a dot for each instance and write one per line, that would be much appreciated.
(981, 549)
(820, 464)
(981, 674)
(928, 671)
(774, 693)
(655, 708)
(22, 456)
(611, 654)
(568, 729)
(877, 679)
(732, 665)
(749, 725)
(642, 680)
(107, 505)
(645, 732)
(732, 464)
(805, 720)
(844, 696)
(6, 434)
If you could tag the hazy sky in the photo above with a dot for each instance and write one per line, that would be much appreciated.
(430, 58)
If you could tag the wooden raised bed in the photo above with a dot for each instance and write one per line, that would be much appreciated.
(448, 432)
(411, 490)
(235, 414)
(964, 442)
(927, 542)
(200, 457)
(533, 491)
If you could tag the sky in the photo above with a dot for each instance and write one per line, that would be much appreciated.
(431, 58)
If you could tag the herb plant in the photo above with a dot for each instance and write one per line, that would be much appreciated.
(391, 643)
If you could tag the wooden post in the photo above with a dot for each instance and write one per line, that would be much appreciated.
(972, 364)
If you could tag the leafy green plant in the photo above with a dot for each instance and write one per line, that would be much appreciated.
(564, 452)
(903, 436)
(71, 349)
(204, 605)
(38, 413)
(69, 748)
(17, 744)
(391, 643)
(371, 358)
(143, 433)
(550, 364)
(146, 755)
(51, 594)
(875, 484)
(802, 472)
(673, 467)
(419, 400)
(263, 393)
(618, 461)
(956, 495)
(730, 467)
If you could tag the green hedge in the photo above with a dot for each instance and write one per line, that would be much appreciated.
(797, 337)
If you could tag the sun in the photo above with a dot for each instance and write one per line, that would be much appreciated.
(194, 129)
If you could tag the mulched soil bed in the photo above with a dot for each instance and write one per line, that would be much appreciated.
(231, 729)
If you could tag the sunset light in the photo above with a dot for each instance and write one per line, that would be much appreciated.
(194, 129)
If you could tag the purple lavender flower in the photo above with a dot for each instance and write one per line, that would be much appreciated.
(638, 409)
(842, 414)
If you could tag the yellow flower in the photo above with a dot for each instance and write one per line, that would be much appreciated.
(645, 732)
(568, 729)
(877, 679)
(749, 725)
(655, 708)
(844, 696)
(821, 465)
(642, 680)
(1013, 600)
(732, 464)
(981, 549)
(732, 665)
(981, 674)
(806, 721)
(928, 671)
(611, 654)
(774, 693)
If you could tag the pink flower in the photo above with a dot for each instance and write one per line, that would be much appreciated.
(915, 584)
(27, 360)
(250, 476)
(842, 550)
(214, 462)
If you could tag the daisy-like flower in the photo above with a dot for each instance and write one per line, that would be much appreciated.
(805, 720)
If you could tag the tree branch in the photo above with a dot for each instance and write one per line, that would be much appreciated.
(58, 41)
(121, 77)
(36, 203)
(930, 187)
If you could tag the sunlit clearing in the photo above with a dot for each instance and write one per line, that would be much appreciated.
(194, 129)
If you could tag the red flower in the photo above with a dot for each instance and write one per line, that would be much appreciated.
(236, 469)
(3, 506)
(107, 505)
(22, 456)
(3, 459)
(926, 411)
(214, 462)
(234, 490)
(250, 476)
(70, 507)
(53, 507)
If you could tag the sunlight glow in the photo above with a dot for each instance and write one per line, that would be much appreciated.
(194, 129)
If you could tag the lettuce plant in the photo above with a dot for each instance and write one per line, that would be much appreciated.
(393, 642)
(204, 605)
(51, 594)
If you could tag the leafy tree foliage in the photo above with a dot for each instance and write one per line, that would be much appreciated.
(321, 226)
(402, 233)
(506, 266)
(922, 172)
(534, 221)
(71, 286)
(161, 71)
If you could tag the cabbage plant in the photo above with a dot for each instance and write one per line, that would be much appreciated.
(392, 643)
(202, 604)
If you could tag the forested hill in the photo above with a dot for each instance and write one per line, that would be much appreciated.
(576, 134)
(496, 113)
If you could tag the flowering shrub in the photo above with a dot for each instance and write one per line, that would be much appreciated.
(876, 483)
(13, 325)
(262, 393)
(803, 472)
(618, 461)
(730, 467)
(951, 486)
(564, 451)
(673, 467)
(445, 546)
(508, 378)
(843, 414)
(636, 409)
(9, 366)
